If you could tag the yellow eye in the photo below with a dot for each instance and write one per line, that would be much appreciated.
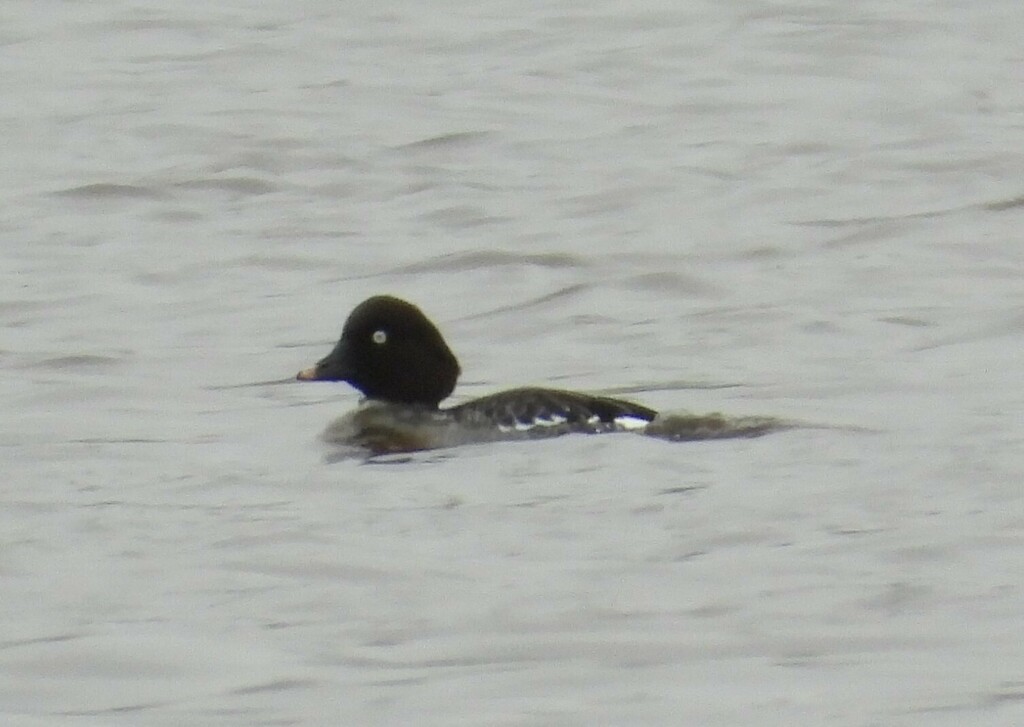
(380, 336)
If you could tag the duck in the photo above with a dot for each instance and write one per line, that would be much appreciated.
(396, 357)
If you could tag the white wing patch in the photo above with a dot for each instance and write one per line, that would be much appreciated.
(552, 421)
(630, 424)
(624, 423)
(517, 426)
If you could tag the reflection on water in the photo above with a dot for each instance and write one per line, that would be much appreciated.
(683, 427)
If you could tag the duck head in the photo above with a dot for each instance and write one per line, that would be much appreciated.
(390, 352)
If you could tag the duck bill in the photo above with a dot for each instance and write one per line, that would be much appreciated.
(335, 366)
(307, 374)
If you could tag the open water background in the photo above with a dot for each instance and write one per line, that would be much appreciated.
(804, 209)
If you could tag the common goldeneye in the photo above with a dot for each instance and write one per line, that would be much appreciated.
(392, 353)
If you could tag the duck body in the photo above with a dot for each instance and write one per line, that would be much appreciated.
(392, 353)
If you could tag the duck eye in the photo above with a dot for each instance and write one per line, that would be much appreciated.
(380, 336)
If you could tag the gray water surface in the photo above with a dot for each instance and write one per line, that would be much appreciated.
(805, 210)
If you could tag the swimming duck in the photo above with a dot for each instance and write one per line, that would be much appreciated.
(397, 358)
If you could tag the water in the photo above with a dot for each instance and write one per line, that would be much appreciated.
(794, 209)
